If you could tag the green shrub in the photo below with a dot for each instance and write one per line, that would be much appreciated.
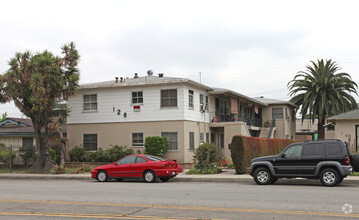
(156, 145)
(28, 155)
(5, 154)
(77, 154)
(244, 149)
(117, 152)
(205, 159)
(205, 156)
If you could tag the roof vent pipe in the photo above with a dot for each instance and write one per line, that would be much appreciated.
(116, 79)
(121, 79)
(149, 72)
(136, 75)
(160, 75)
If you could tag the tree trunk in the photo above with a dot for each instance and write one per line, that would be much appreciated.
(321, 129)
(43, 162)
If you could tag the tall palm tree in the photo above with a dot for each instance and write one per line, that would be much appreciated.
(321, 92)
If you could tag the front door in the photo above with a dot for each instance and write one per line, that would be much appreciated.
(290, 161)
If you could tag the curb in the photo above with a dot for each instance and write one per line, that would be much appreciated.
(180, 178)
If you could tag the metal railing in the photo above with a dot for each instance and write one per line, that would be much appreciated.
(250, 121)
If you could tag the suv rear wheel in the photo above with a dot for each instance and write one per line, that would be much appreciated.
(262, 176)
(329, 177)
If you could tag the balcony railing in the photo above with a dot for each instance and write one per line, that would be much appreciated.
(250, 121)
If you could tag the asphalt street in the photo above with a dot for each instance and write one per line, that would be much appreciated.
(89, 199)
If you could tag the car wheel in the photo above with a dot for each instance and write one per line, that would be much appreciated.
(262, 176)
(355, 162)
(165, 179)
(102, 176)
(149, 176)
(329, 177)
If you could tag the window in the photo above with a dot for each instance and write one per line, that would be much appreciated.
(171, 139)
(222, 140)
(90, 142)
(27, 142)
(277, 113)
(137, 139)
(294, 151)
(203, 102)
(137, 97)
(191, 140)
(127, 160)
(286, 113)
(90, 102)
(154, 158)
(313, 149)
(207, 137)
(140, 160)
(169, 98)
(334, 149)
(190, 99)
(201, 138)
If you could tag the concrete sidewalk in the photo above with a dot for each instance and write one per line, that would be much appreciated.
(228, 175)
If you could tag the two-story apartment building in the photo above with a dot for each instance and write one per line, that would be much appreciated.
(125, 111)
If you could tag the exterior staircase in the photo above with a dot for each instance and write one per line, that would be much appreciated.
(267, 132)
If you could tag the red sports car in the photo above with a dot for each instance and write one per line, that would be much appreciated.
(142, 166)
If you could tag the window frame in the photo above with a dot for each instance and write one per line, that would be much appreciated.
(169, 98)
(139, 144)
(90, 102)
(190, 99)
(273, 113)
(170, 141)
(91, 142)
(191, 140)
(137, 97)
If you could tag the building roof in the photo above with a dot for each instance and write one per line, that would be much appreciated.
(159, 80)
(354, 114)
(18, 127)
(274, 101)
(216, 91)
(142, 81)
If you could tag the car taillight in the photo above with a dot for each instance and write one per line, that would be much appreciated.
(347, 161)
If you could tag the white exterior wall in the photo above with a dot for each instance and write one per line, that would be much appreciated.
(119, 98)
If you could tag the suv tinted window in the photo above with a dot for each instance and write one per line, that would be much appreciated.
(313, 149)
(334, 149)
(294, 151)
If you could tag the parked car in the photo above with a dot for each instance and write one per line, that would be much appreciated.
(327, 160)
(140, 166)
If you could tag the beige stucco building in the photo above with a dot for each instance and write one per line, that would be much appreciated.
(125, 111)
(347, 128)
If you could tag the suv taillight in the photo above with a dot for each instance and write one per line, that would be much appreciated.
(347, 161)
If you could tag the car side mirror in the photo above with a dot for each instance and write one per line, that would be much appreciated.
(115, 163)
(282, 155)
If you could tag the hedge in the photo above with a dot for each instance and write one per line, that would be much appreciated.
(244, 149)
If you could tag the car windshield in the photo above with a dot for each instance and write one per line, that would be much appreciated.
(153, 158)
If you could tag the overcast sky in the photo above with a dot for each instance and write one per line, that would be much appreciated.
(252, 47)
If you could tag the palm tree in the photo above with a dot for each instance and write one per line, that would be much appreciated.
(321, 92)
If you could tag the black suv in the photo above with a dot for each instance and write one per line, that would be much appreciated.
(327, 160)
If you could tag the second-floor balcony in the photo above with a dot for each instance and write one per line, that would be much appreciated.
(250, 121)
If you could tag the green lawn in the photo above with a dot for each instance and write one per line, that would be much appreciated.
(355, 174)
